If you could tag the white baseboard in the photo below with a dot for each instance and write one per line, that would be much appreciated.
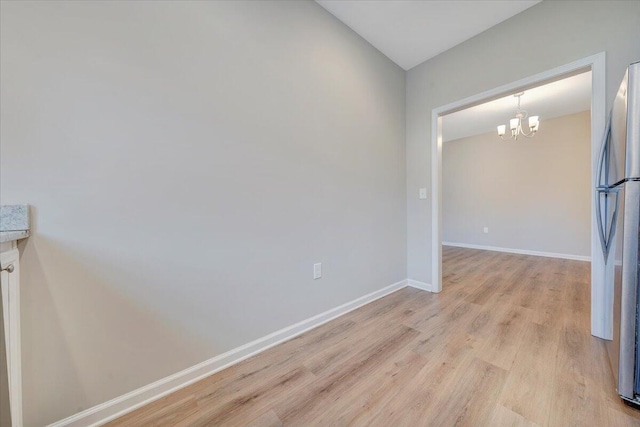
(519, 251)
(420, 285)
(121, 405)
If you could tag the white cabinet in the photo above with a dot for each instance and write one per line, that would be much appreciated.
(10, 287)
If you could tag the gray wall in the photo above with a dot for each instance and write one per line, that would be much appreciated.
(548, 35)
(188, 163)
(533, 194)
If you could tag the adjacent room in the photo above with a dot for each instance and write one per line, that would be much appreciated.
(310, 213)
(529, 193)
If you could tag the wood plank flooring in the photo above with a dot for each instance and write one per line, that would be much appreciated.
(506, 343)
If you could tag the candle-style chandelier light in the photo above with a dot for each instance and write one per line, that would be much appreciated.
(515, 124)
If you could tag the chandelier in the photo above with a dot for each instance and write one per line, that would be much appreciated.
(515, 124)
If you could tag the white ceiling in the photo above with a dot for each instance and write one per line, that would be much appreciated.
(559, 98)
(411, 31)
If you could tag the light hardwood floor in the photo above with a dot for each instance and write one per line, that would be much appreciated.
(506, 343)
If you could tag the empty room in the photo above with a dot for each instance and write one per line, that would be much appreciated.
(528, 193)
(319, 213)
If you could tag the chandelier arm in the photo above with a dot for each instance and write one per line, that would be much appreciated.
(527, 135)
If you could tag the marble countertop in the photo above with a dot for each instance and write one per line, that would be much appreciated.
(9, 236)
(15, 223)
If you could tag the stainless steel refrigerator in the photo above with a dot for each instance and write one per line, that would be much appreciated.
(618, 215)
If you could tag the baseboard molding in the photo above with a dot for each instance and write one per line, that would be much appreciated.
(420, 285)
(121, 405)
(519, 251)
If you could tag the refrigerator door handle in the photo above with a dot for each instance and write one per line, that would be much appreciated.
(606, 231)
(601, 232)
(614, 219)
(600, 226)
(603, 159)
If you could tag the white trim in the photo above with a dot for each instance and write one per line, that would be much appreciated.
(519, 251)
(601, 291)
(420, 285)
(10, 284)
(121, 405)
(436, 199)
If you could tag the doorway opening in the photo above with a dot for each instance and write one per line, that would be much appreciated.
(594, 68)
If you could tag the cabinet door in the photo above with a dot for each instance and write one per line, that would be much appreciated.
(5, 410)
(10, 290)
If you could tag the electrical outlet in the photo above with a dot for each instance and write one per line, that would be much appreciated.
(486, 230)
(317, 271)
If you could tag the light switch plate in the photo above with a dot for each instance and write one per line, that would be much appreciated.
(423, 193)
(317, 271)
